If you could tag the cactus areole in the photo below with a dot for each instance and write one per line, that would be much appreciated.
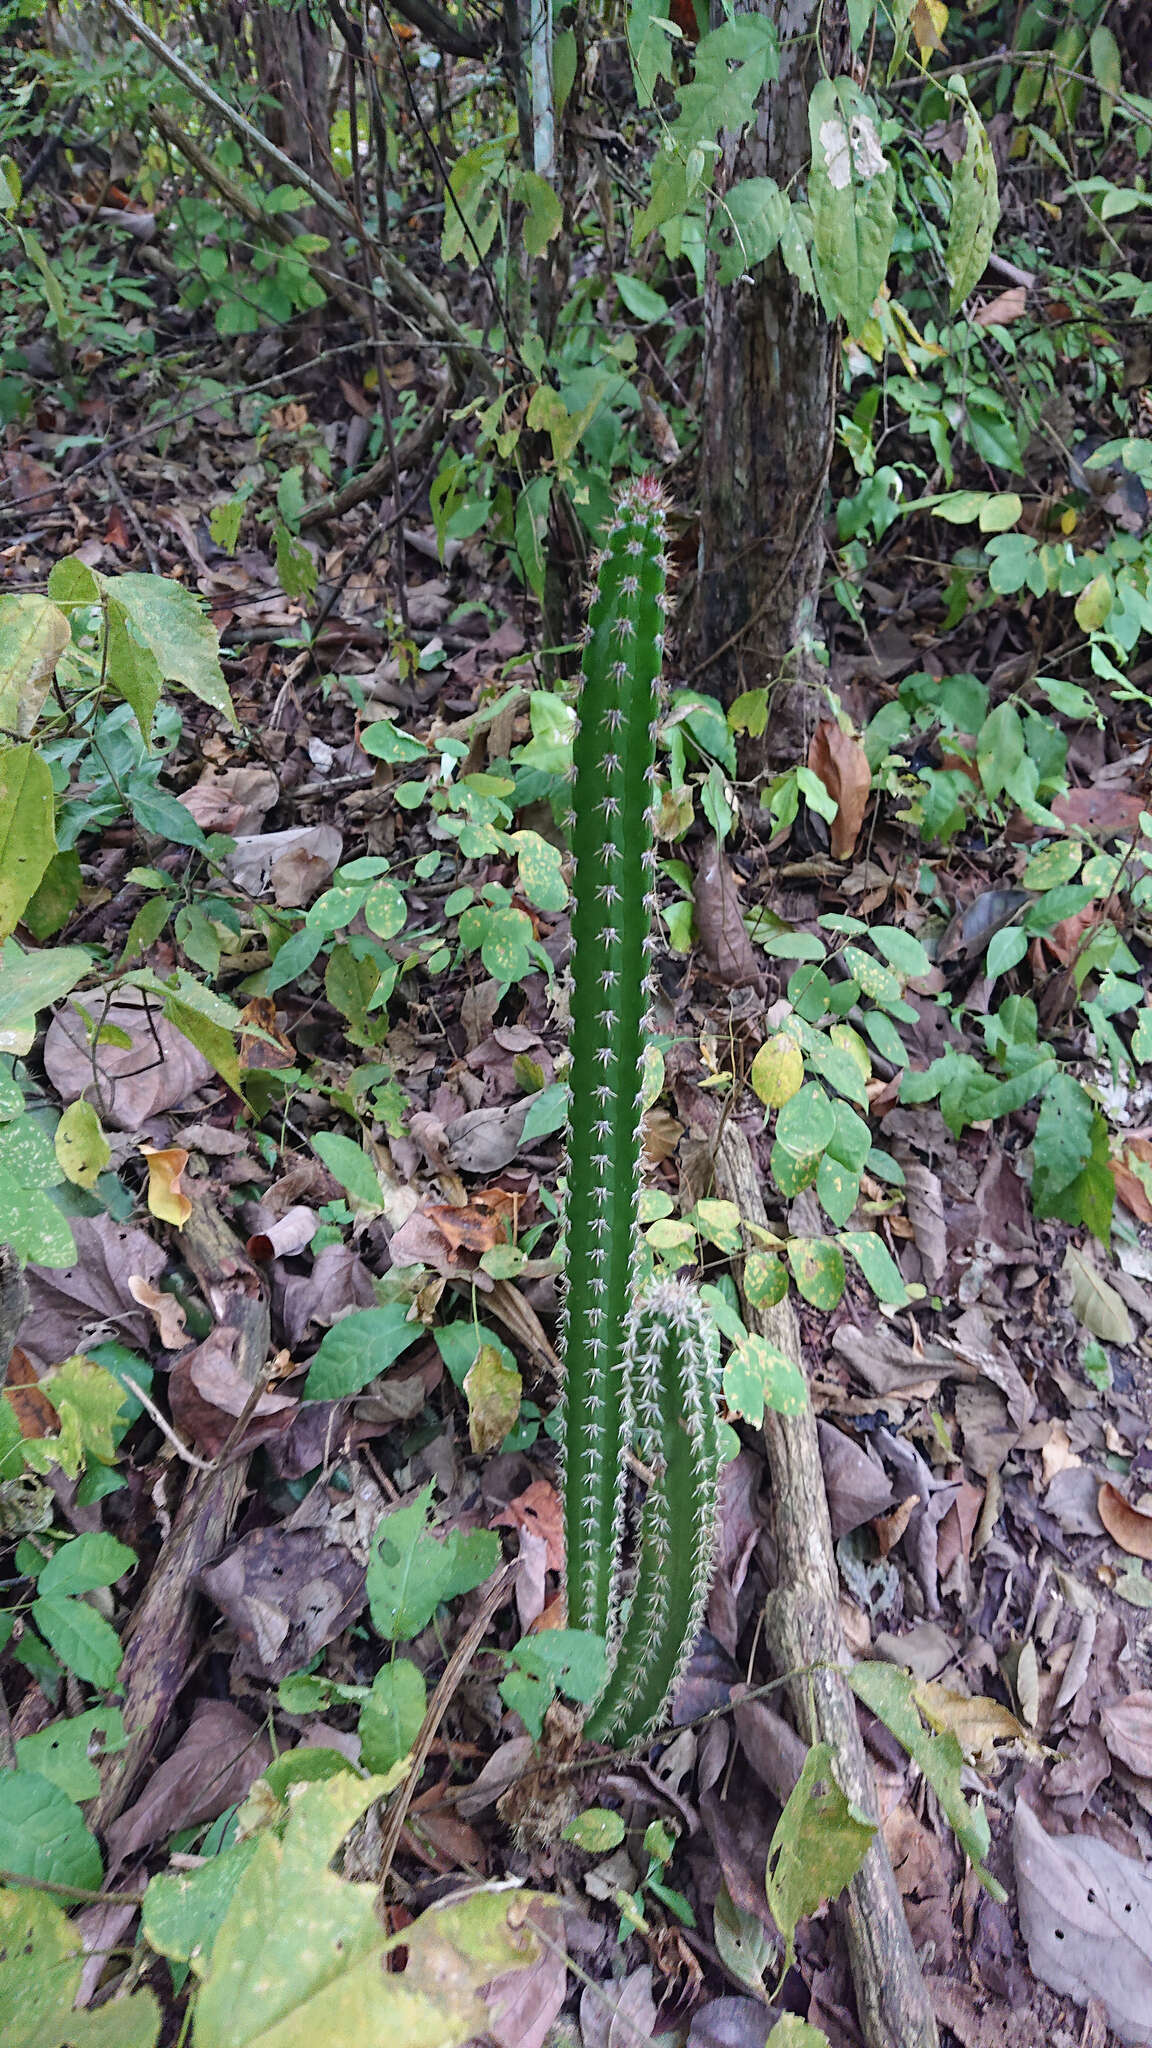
(615, 752)
(640, 1367)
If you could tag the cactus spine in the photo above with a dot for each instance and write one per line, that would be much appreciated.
(634, 1368)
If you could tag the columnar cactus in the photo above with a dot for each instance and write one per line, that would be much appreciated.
(637, 1370)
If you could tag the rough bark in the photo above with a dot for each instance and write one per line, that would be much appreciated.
(770, 358)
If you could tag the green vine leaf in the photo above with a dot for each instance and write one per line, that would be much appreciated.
(850, 191)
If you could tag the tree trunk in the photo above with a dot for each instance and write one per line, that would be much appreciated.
(291, 50)
(770, 360)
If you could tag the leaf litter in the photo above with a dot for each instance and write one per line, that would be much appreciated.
(991, 1501)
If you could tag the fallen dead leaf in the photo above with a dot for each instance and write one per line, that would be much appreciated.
(232, 800)
(728, 948)
(262, 1043)
(33, 1410)
(294, 864)
(1086, 1915)
(1126, 1726)
(487, 1219)
(842, 766)
(537, 1508)
(66, 1306)
(166, 1197)
(493, 1390)
(1125, 1524)
(1004, 308)
(127, 1084)
(290, 1233)
(167, 1313)
(212, 1766)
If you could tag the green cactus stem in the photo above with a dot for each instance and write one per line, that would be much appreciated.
(672, 1356)
(611, 823)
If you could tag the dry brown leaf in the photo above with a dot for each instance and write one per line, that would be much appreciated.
(1004, 308)
(232, 800)
(1130, 1187)
(726, 943)
(126, 1084)
(1126, 1726)
(212, 1766)
(537, 1508)
(167, 1313)
(34, 1411)
(295, 864)
(290, 1233)
(258, 1026)
(486, 1220)
(842, 765)
(1125, 1524)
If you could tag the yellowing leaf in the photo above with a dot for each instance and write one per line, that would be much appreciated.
(1094, 603)
(493, 1388)
(166, 1197)
(81, 1147)
(33, 635)
(298, 1961)
(778, 1070)
(928, 21)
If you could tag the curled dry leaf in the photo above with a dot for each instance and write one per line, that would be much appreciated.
(537, 1508)
(290, 1233)
(842, 766)
(487, 1219)
(208, 1394)
(722, 934)
(166, 1197)
(158, 1069)
(167, 1313)
(1125, 1524)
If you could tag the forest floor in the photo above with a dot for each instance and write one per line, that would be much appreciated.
(987, 1451)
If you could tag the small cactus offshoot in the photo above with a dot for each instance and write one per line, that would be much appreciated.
(634, 1368)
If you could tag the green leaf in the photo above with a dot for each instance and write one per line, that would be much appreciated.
(82, 1639)
(975, 212)
(172, 624)
(719, 1222)
(820, 1842)
(351, 1166)
(1062, 1146)
(385, 742)
(411, 1571)
(792, 2032)
(385, 910)
(597, 1831)
(1005, 949)
(807, 1122)
(65, 1751)
(34, 633)
(850, 192)
(838, 1189)
(27, 830)
(183, 1909)
(1106, 70)
(877, 1265)
(639, 298)
(358, 1349)
(758, 1376)
(901, 950)
(299, 1956)
(568, 1660)
(890, 1694)
(44, 1954)
(818, 1269)
(531, 530)
(86, 1562)
(393, 1715)
(547, 1112)
(43, 1834)
(747, 226)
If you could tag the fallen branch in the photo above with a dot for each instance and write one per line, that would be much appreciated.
(802, 1625)
(161, 1634)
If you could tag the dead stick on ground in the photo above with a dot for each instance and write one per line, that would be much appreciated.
(803, 1627)
(162, 1631)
